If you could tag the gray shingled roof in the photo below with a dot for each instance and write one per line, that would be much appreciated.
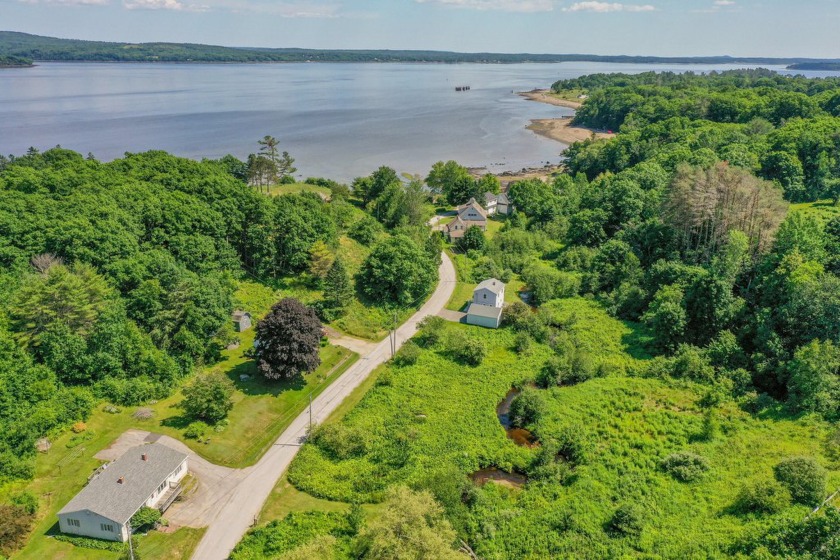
(118, 502)
(484, 311)
(495, 286)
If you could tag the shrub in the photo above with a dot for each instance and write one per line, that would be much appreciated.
(196, 430)
(522, 343)
(431, 329)
(145, 518)
(27, 501)
(685, 467)
(143, 413)
(366, 230)
(90, 543)
(765, 496)
(208, 397)
(468, 350)
(566, 369)
(804, 478)
(527, 407)
(516, 315)
(339, 441)
(79, 427)
(627, 520)
(408, 355)
(15, 522)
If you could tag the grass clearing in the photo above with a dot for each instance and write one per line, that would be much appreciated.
(294, 188)
(824, 209)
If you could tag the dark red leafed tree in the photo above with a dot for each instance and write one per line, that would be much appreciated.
(288, 339)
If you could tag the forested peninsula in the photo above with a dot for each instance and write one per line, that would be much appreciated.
(51, 49)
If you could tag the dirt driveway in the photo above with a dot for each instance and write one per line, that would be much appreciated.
(214, 483)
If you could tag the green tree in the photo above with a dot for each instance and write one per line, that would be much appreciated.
(73, 296)
(338, 290)
(321, 259)
(527, 408)
(814, 378)
(473, 239)
(288, 340)
(453, 181)
(666, 317)
(208, 397)
(397, 271)
(412, 526)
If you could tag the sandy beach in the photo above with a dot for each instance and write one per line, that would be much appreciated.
(563, 131)
(560, 129)
(545, 96)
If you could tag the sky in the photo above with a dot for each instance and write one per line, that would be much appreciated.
(778, 28)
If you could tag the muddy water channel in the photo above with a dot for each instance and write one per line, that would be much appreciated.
(492, 474)
(520, 436)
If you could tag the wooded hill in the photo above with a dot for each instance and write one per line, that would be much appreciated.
(41, 48)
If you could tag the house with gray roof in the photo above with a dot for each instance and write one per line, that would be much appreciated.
(470, 215)
(486, 307)
(144, 476)
(497, 204)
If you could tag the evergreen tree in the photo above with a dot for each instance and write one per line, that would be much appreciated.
(338, 291)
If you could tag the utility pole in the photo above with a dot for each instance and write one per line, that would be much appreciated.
(310, 413)
(130, 544)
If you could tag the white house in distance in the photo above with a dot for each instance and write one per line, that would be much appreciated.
(497, 204)
(146, 475)
(485, 310)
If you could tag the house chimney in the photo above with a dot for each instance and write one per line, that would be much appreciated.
(144, 457)
(120, 480)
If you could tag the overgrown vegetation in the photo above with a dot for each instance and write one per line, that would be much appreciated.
(686, 320)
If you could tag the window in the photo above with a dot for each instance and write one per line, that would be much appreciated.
(107, 527)
(485, 296)
(73, 522)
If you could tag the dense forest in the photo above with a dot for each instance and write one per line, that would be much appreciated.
(62, 50)
(677, 372)
(14, 61)
(117, 278)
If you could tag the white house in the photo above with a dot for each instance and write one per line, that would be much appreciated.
(497, 203)
(469, 215)
(146, 475)
(490, 292)
(488, 301)
(503, 205)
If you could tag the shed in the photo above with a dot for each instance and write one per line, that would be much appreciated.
(145, 475)
(241, 320)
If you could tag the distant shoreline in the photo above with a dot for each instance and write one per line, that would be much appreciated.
(560, 129)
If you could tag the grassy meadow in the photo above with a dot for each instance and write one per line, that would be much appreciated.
(437, 418)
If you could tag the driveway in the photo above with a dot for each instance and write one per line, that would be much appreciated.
(454, 316)
(357, 345)
(213, 482)
(241, 505)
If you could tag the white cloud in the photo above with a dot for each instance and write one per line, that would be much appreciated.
(69, 2)
(605, 7)
(724, 3)
(174, 5)
(281, 9)
(528, 6)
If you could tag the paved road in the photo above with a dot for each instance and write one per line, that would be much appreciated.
(243, 503)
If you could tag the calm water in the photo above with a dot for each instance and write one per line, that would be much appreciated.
(337, 120)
